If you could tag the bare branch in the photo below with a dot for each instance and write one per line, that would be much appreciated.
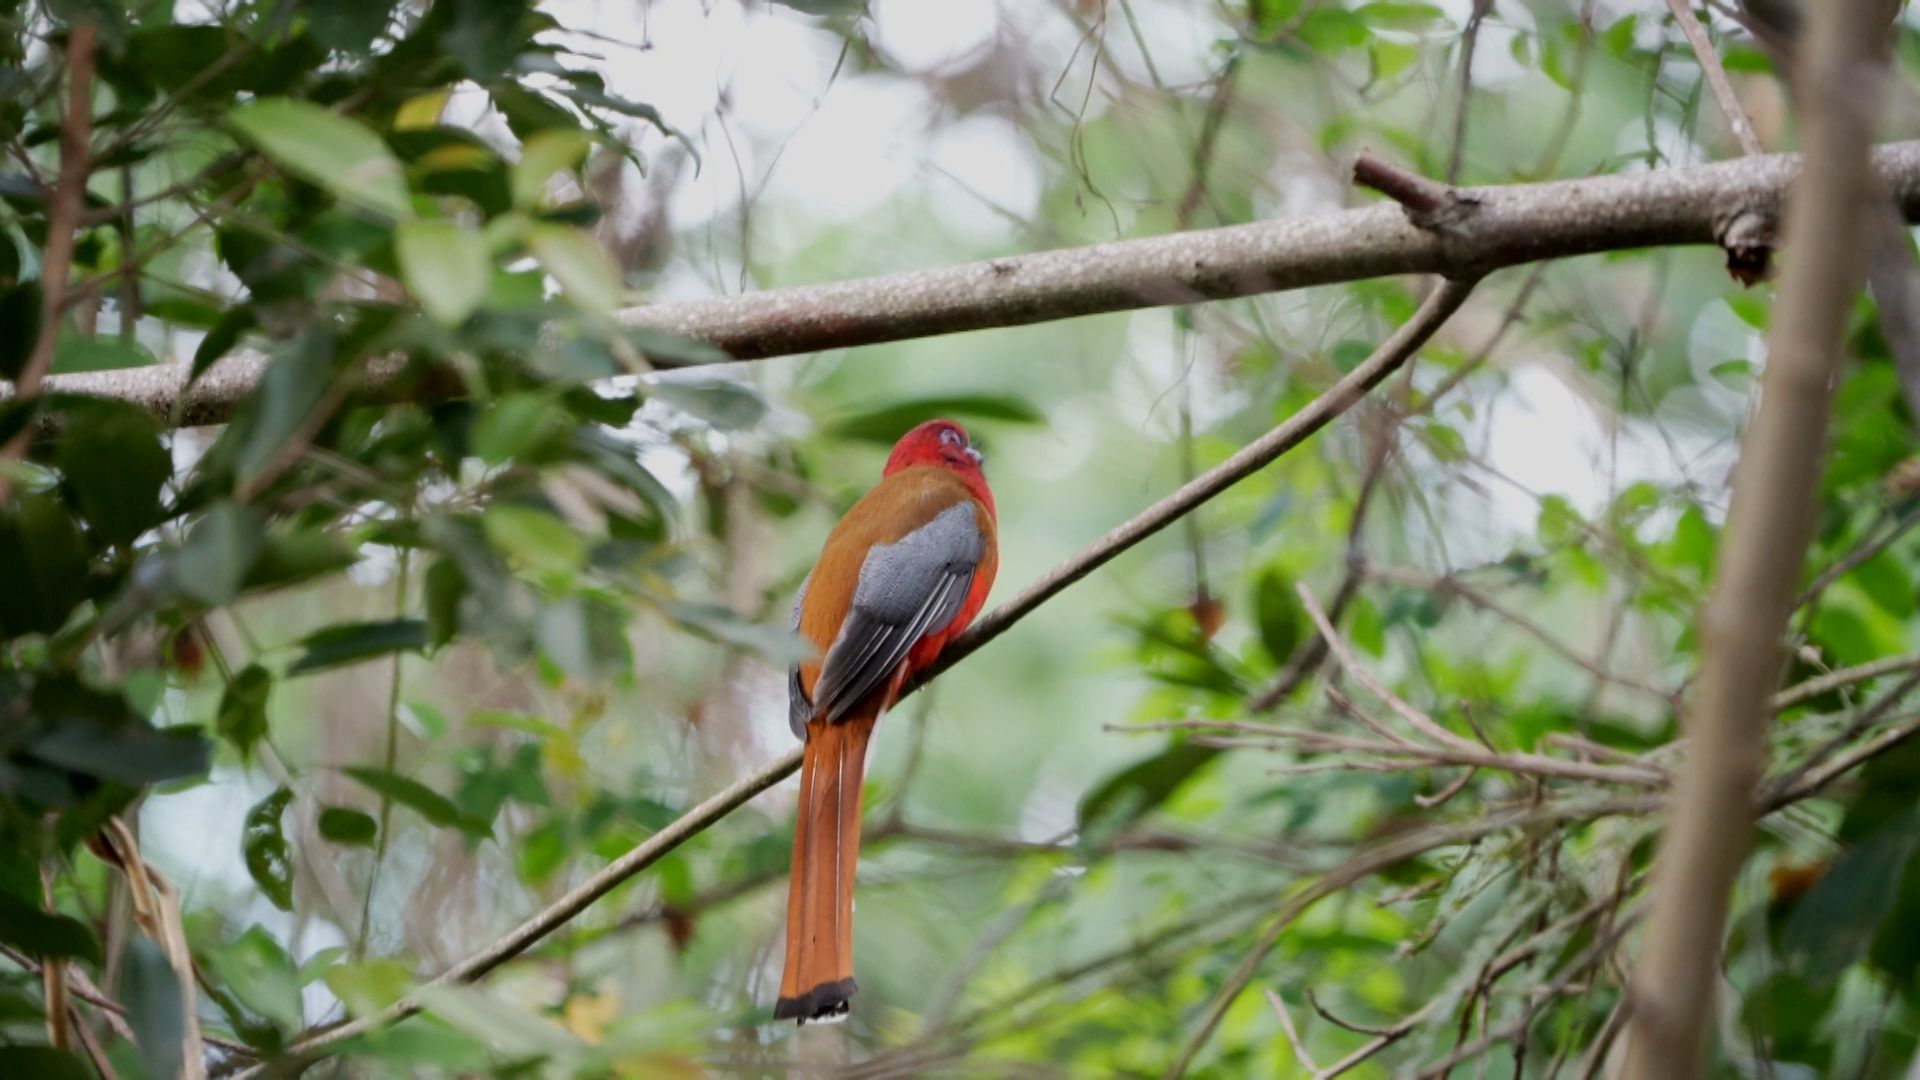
(1511, 224)
(1762, 550)
(1844, 677)
(1436, 207)
(1419, 721)
(1716, 75)
(1452, 585)
(1469, 39)
(1293, 1035)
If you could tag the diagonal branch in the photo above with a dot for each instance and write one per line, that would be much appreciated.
(1733, 202)
(1256, 455)
(1762, 551)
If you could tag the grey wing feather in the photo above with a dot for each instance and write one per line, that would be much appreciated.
(907, 590)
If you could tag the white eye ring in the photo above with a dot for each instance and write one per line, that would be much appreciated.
(950, 437)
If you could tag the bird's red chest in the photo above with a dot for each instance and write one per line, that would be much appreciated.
(929, 647)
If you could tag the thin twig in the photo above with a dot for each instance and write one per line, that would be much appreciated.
(83, 989)
(1453, 585)
(1842, 678)
(1716, 75)
(1431, 205)
(1469, 39)
(1416, 719)
(1862, 720)
(1852, 560)
(1293, 1035)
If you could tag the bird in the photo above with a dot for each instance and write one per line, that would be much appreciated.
(900, 576)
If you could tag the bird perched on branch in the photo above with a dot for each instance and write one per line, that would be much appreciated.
(902, 574)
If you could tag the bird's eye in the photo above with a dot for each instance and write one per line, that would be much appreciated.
(951, 437)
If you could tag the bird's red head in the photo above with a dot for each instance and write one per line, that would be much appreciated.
(942, 444)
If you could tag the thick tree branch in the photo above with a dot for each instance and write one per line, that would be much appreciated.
(1726, 203)
(1762, 551)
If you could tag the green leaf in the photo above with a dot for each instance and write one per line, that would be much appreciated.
(344, 825)
(1277, 609)
(293, 385)
(42, 933)
(513, 426)
(76, 354)
(95, 733)
(535, 540)
(544, 154)
(529, 112)
(218, 553)
(484, 36)
(257, 970)
(509, 1029)
(289, 558)
(114, 466)
(889, 422)
(20, 309)
(242, 719)
(269, 857)
(42, 1063)
(350, 643)
(421, 799)
(339, 154)
(824, 7)
(46, 561)
(155, 1009)
(542, 852)
(1347, 355)
(727, 405)
(447, 268)
(446, 586)
(351, 26)
(1836, 921)
(1447, 444)
(369, 986)
(1142, 786)
(583, 268)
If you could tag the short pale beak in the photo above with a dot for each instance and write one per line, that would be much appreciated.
(977, 457)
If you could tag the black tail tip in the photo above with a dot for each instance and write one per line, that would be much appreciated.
(826, 1003)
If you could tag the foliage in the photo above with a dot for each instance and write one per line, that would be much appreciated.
(473, 593)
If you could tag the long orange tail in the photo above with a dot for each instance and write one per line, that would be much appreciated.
(826, 850)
